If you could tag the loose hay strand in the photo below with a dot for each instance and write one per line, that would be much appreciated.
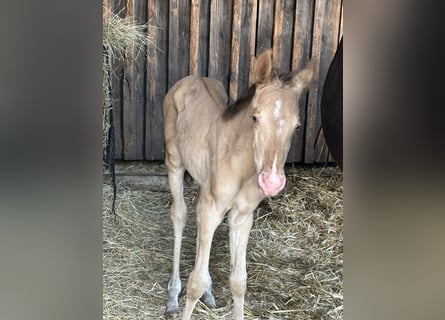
(294, 258)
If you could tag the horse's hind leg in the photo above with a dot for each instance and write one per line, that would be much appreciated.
(178, 218)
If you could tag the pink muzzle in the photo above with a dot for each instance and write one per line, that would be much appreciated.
(271, 183)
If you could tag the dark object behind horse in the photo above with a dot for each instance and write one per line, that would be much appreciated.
(332, 106)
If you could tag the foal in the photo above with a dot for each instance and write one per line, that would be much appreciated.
(236, 154)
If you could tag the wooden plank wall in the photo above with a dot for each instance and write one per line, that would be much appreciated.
(220, 39)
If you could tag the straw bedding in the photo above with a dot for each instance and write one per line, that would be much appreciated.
(294, 258)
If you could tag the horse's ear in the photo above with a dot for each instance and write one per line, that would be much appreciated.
(303, 79)
(264, 68)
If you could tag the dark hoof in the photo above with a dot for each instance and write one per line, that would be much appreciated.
(209, 301)
(171, 311)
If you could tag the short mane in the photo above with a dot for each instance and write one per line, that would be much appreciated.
(234, 108)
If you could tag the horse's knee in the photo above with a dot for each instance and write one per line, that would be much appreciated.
(238, 284)
(178, 214)
(197, 284)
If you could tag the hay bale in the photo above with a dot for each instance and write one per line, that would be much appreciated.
(294, 256)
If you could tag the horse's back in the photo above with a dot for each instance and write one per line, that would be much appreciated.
(190, 109)
(188, 91)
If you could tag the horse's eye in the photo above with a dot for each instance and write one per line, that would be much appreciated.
(254, 119)
(298, 128)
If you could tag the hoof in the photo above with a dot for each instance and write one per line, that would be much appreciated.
(171, 312)
(171, 309)
(209, 300)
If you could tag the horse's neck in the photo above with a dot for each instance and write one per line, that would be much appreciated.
(237, 133)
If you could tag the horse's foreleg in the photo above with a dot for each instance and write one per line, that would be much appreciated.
(240, 224)
(178, 218)
(208, 219)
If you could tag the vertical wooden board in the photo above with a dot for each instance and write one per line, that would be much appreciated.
(140, 81)
(219, 46)
(194, 37)
(247, 44)
(283, 35)
(330, 27)
(265, 26)
(199, 37)
(134, 90)
(321, 148)
(117, 7)
(244, 20)
(312, 108)
(156, 85)
(204, 30)
(128, 116)
(311, 116)
(304, 16)
(253, 9)
(117, 101)
(303, 27)
(235, 49)
(178, 41)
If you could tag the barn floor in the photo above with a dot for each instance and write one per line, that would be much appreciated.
(294, 259)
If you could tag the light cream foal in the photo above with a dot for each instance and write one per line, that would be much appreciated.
(236, 154)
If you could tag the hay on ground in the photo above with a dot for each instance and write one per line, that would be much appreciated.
(294, 259)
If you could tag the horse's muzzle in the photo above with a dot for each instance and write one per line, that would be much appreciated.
(271, 183)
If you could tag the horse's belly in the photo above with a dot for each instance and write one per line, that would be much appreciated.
(197, 167)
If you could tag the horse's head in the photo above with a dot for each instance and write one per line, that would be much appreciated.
(275, 117)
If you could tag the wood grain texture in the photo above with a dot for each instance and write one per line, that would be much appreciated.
(117, 7)
(253, 10)
(199, 37)
(283, 35)
(235, 50)
(303, 23)
(134, 90)
(178, 41)
(156, 85)
(219, 45)
(265, 26)
(194, 37)
(243, 46)
(204, 35)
